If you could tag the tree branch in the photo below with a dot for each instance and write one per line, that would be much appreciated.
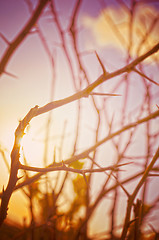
(69, 169)
(106, 76)
(12, 46)
(132, 197)
(89, 150)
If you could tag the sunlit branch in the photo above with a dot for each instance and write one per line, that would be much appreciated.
(89, 150)
(86, 92)
(14, 164)
(69, 169)
(121, 134)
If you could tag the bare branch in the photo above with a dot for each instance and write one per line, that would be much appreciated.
(143, 75)
(12, 46)
(104, 94)
(101, 79)
(89, 150)
(132, 197)
(69, 169)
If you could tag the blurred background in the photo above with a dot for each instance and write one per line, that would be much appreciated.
(58, 57)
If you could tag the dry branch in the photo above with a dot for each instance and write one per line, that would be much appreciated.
(89, 150)
(24, 32)
(15, 154)
(106, 76)
(61, 166)
(132, 197)
(20, 132)
(69, 169)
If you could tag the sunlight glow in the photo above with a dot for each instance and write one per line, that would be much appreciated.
(33, 150)
(103, 31)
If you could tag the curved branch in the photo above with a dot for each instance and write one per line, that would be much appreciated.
(12, 46)
(89, 150)
(105, 76)
(37, 111)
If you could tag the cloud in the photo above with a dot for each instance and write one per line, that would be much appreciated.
(100, 28)
(111, 27)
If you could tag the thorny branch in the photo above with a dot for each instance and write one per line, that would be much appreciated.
(37, 111)
(106, 76)
(64, 165)
(15, 165)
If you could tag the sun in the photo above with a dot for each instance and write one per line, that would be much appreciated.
(32, 150)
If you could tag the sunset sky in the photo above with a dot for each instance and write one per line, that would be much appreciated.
(33, 75)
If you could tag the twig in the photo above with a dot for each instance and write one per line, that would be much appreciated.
(10, 74)
(105, 94)
(12, 46)
(4, 39)
(132, 197)
(143, 75)
(69, 169)
(86, 92)
(89, 150)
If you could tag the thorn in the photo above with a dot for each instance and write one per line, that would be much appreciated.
(10, 74)
(63, 164)
(4, 39)
(84, 175)
(103, 68)
(143, 75)
(105, 94)
(33, 31)
(6, 212)
(134, 220)
(19, 178)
